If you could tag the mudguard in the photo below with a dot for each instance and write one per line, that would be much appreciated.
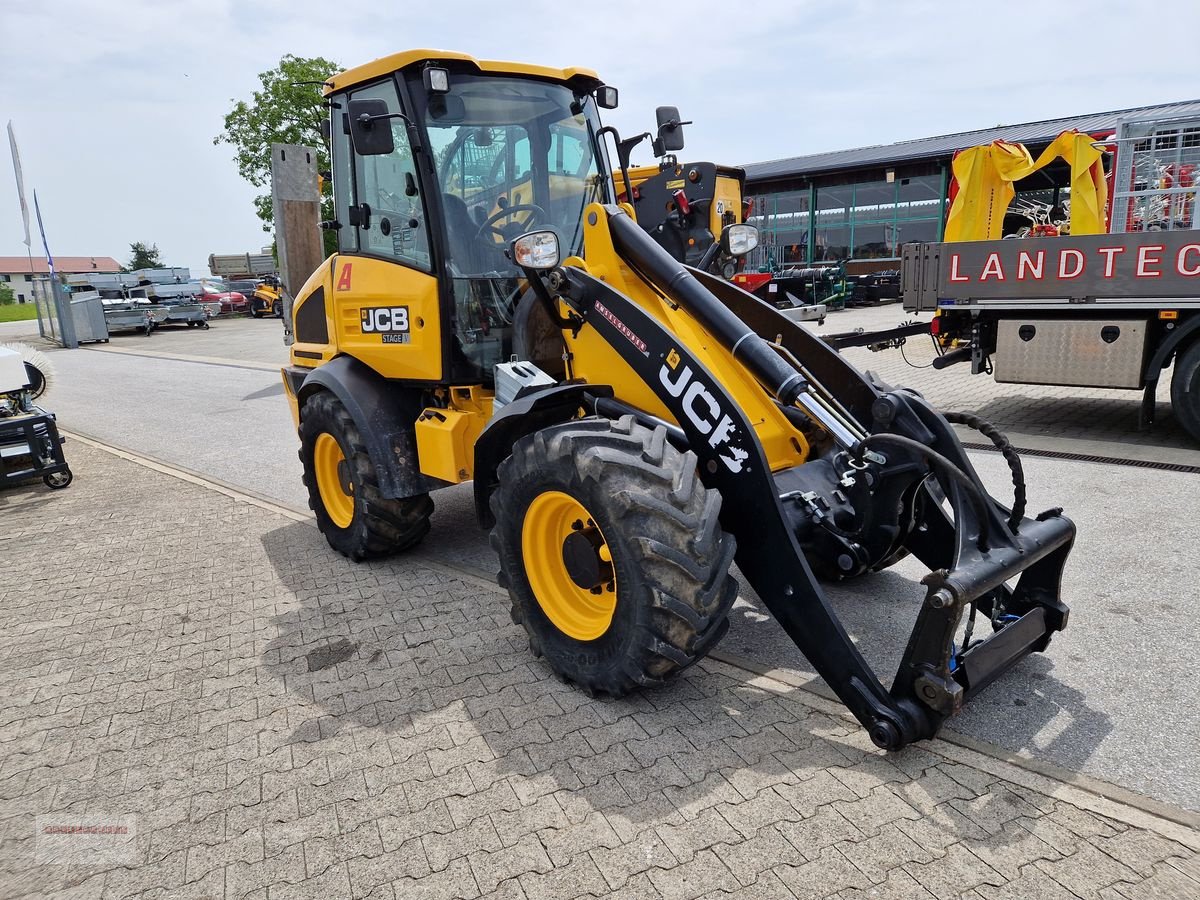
(385, 413)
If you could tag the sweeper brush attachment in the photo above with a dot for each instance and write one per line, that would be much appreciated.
(38, 369)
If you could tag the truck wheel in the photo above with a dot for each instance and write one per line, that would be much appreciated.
(612, 553)
(343, 489)
(1185, 389)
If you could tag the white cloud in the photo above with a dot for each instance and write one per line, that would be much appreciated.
(116, 105)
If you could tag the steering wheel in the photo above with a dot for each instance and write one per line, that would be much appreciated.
(489, 226)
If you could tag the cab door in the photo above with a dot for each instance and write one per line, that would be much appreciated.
(385, 293)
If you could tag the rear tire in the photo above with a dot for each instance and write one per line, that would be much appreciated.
(1185, 389)
(360, 522)
(656, 527)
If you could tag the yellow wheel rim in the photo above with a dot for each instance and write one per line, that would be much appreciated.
(338, 499)
(558, 533)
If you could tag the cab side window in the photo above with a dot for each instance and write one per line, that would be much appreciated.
(392, 224)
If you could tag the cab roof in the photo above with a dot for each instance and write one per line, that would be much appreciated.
(396, 61)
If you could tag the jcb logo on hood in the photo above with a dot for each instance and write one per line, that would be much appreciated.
(703, 410)
(384, 319)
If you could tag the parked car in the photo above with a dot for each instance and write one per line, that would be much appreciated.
(216, 292)
(244, 286)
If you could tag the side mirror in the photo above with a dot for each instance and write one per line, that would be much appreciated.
(370, 131)
(326, 132)
(738, 240)
(670, 129)
(535, 250)
(606, 96)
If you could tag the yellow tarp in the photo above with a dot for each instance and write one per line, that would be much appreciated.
(985, 177)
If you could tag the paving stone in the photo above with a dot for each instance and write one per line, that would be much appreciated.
(631, 819)
(442, 849)
(576, 878)
(1165, 883)
(527, 855)
(564, 843)
(1086, 871)
(455, 882)
(1011, 849)
(1031, 884)
(707, 829)
(995, 809)
(825, 828)
(286, 866)
(689, 880)
(765, 808)
(544, 812)
(814, 792)
(768, 887)
(873, 812)
(644, 852)
(829, 873)
(898, 886)
(369, 872)
(747, 859)
(695, 798)
(879, 854)
(955, 873)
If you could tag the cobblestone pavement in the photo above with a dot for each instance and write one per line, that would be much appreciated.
(270, 720)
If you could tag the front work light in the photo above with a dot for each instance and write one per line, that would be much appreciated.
(437, 80)
(606, 96)
(738, 240)
(536, 250)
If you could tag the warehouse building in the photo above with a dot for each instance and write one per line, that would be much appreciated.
(20, 274)
(860, 206)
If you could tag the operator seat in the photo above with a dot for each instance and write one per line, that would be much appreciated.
(464, 250)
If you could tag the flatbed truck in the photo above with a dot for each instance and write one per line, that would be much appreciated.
(1105, 310)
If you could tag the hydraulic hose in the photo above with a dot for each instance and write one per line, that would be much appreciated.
(936, 461)
(1002, 443)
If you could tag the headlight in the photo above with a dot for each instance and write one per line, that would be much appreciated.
(738, 240)
(535, 250)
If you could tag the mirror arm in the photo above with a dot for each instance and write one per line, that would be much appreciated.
(365, 119)
(572, 322)
(624, 151)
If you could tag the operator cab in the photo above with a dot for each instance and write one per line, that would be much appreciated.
(439, 167)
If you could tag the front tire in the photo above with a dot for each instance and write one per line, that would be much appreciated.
(612, 553)
(343, 489)
(1185, 389)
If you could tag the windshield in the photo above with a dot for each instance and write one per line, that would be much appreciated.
(511, 157)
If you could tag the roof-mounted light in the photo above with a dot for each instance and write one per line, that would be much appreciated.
(606, 96)
(437, 80)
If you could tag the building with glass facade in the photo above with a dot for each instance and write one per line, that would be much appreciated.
(860, 206)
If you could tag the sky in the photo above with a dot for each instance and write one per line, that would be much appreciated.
(116, 104)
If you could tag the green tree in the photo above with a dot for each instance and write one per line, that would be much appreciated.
(286, 110)
(145, 256)
(6, 295)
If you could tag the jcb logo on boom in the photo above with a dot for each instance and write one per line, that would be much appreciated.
(384, 319)
(702, 408)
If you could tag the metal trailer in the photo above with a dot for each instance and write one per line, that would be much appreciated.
(1107, 310)
(133, 317)
(187, 312)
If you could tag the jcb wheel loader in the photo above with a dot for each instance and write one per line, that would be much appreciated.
(267, 299)
(632, 426)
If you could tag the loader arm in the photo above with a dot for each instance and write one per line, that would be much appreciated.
(862, 494)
